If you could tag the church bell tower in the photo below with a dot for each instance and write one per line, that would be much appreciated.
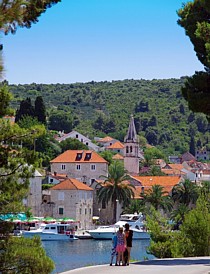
(131, 149)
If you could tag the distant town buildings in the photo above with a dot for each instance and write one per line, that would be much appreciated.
(76, 176)
(61, 136)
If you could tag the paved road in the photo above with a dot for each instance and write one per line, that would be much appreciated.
(195, 265)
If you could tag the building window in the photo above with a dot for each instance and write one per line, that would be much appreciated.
(85, 211)
(127, 150)
(77, 136)
(78, 167)
(61, 196)
(80, 211)
(93, 167)
(51, 180)
(87, 156)
(131, 149)
(60, 210)
(90, 211)
(86, 143)
(63, 167)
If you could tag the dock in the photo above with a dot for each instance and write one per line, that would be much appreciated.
(82, 234)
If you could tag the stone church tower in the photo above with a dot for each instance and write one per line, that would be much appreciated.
(131, 150)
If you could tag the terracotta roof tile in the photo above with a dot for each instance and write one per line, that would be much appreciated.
(168, 182)
(118, 157)
(71, 184)
(176, 166)
(116, 145)
(106, 139)
(79, 156)
(172, 171)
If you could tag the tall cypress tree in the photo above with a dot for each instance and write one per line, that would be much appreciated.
(40, 110)
(192, 145)
(26, 109)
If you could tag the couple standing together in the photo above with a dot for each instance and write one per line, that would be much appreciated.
(122, 244)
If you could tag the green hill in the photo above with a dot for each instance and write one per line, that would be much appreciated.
(104, 108)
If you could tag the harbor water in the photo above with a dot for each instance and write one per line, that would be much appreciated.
(80, 253)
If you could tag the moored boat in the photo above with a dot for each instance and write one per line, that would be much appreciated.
(52, 232)
(134, 220)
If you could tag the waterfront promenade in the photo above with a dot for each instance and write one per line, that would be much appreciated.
(193, 265)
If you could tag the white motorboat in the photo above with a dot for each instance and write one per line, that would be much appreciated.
(134, 220)
(52, 232)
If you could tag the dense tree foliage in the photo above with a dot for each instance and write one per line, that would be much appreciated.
(25, 256)
(72, 144)
(194, 17)
(40, 110)
(158, 198)
(17, 164)
(116, 187)
(76, 106)
(21, 13)
(5, 100)
(185, 192)
(61, 121)
(26, 109)
(193, 239)
(107, 155)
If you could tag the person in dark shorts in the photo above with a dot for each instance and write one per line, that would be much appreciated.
(129, 238)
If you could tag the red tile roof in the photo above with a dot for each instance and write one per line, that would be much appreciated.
(106, 139)
(172, 171)
(116, 145)
(118, 157)
(71, 184)
(168, 182)
(79, 156)
(176, 166)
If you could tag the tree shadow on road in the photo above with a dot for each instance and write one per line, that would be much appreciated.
(179, 261)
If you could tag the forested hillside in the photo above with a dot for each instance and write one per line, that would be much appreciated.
(103, 108)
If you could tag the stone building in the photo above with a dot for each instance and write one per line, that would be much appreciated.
(84, 165)
(34, 197)
(73, 199)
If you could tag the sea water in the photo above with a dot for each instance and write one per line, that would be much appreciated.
(80, 253)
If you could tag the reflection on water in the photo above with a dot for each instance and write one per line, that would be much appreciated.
(79, 253)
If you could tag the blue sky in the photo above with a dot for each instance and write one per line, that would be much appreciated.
(101, 40)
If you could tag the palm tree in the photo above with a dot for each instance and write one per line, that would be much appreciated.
(116, 187)
(178, 214)
(158, 198)
(185, 192)
(136, 205)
